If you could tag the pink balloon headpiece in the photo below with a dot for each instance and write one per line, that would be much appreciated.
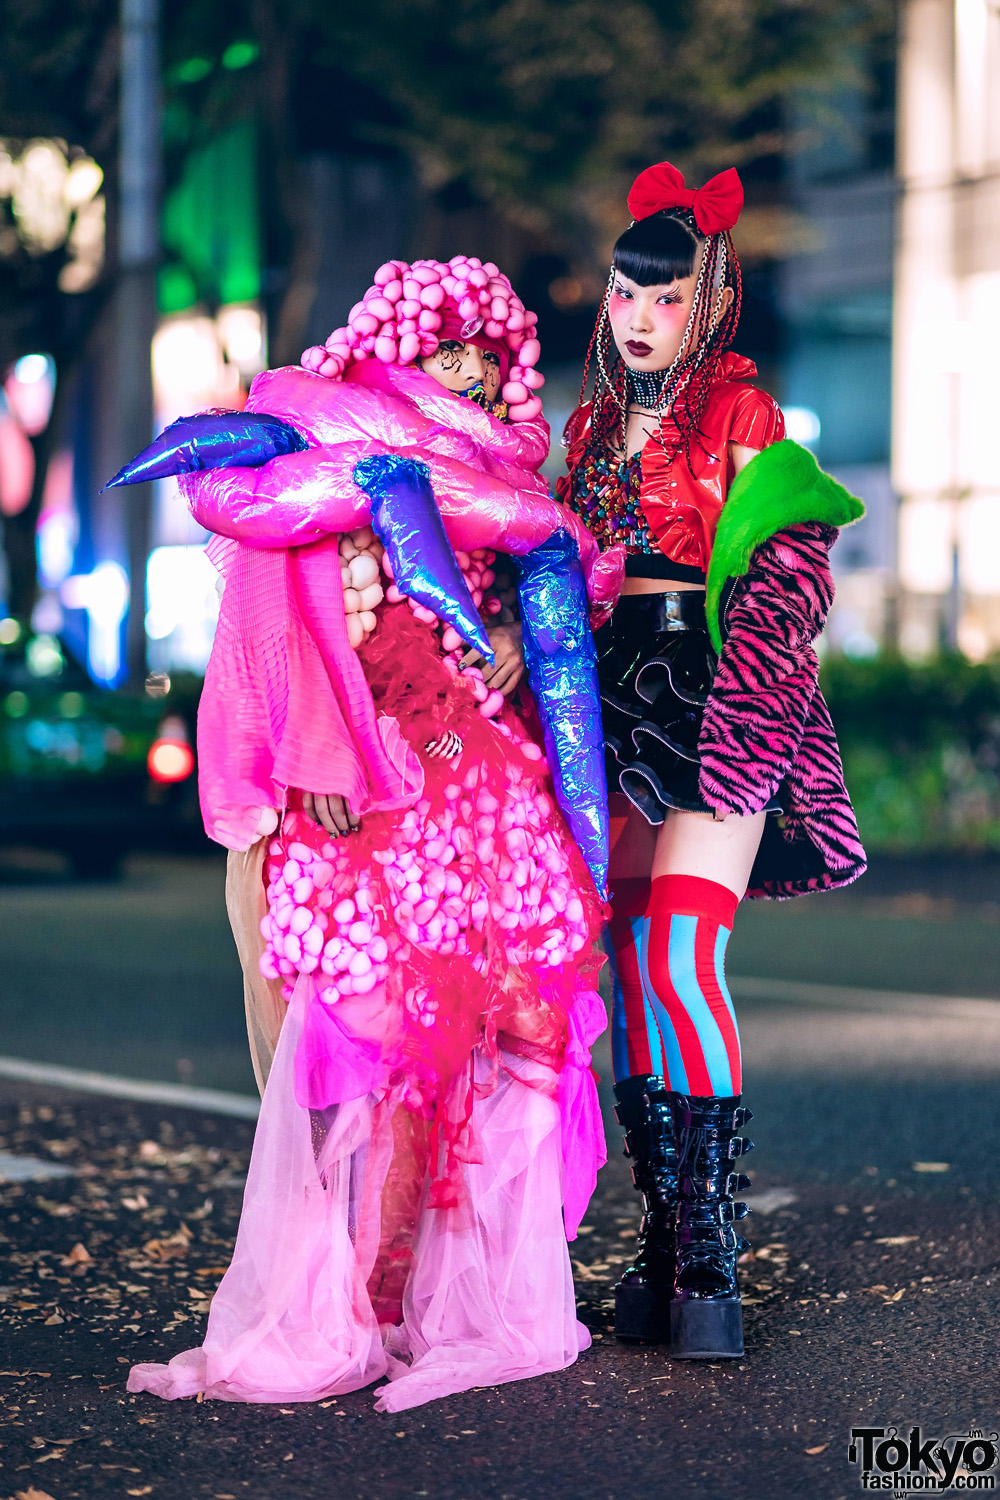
(716, 206)
(409, 309)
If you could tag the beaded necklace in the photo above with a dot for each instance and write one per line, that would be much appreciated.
(477, 393)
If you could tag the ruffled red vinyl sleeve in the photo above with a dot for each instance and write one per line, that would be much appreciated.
(757, 419)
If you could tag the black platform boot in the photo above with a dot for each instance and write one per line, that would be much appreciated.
(706, 1319)
(642, 1296)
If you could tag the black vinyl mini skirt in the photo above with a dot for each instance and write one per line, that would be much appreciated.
(655, 664)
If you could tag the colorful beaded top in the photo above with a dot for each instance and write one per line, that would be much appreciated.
(604, 493)
(653, 503)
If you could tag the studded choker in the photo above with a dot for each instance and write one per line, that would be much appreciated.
(645, 388)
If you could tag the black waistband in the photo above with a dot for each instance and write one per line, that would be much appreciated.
(683, 609)
(655, 565)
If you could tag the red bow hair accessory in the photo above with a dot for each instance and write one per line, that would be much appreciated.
(716, 206)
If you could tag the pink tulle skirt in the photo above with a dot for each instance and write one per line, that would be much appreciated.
(429, 1135)
(489, 1295)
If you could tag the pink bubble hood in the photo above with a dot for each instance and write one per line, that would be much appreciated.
(409, 308)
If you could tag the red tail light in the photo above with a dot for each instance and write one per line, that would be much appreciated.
(169, 760)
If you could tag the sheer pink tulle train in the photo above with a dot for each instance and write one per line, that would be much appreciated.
(490, 1295)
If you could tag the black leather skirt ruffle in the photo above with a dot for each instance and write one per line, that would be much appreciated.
(655, 666)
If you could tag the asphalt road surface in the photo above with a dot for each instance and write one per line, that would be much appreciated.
(872, 1289)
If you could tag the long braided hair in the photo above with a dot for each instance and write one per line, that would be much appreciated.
(658, 250)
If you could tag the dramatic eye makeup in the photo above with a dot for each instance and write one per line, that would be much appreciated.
(449, 355)
(666, 299)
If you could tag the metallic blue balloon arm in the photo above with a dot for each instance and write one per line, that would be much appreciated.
(561, 658)
(408, 523)
(212, 440)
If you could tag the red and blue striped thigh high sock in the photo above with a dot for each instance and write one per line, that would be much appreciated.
(635, 1049)
(682, 970)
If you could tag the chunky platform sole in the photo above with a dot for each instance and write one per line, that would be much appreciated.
(642, 1314)
(706, 1329)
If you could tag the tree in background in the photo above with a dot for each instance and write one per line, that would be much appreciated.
(540, 110)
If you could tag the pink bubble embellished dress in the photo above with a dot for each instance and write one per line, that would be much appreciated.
(429, 1134)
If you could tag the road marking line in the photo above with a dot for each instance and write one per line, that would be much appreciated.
(843, 997)
(143, 1090)
(29, 1168)
(769, 1199)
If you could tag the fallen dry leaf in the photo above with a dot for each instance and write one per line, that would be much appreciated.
(32, 1494)
(932, 1166)
(146, 1489)
(172, 1247)
(821, 1449)
(78, 1256)
(135, 1204)
(897, 1239)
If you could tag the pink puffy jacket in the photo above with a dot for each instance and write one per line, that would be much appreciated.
(285, 702)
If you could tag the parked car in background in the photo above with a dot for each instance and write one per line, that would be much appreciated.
(85, 770)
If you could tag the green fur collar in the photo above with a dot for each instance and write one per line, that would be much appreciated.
(782, 486)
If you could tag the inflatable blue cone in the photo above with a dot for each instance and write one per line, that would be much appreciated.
(408, 524)
(212, 440)
(561, 659)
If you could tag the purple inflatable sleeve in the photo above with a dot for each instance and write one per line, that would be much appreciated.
(408, 524)
(212, 440)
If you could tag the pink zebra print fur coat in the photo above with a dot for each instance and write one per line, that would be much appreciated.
(766, 729)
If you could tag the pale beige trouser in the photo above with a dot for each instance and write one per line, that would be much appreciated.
(246, 903)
